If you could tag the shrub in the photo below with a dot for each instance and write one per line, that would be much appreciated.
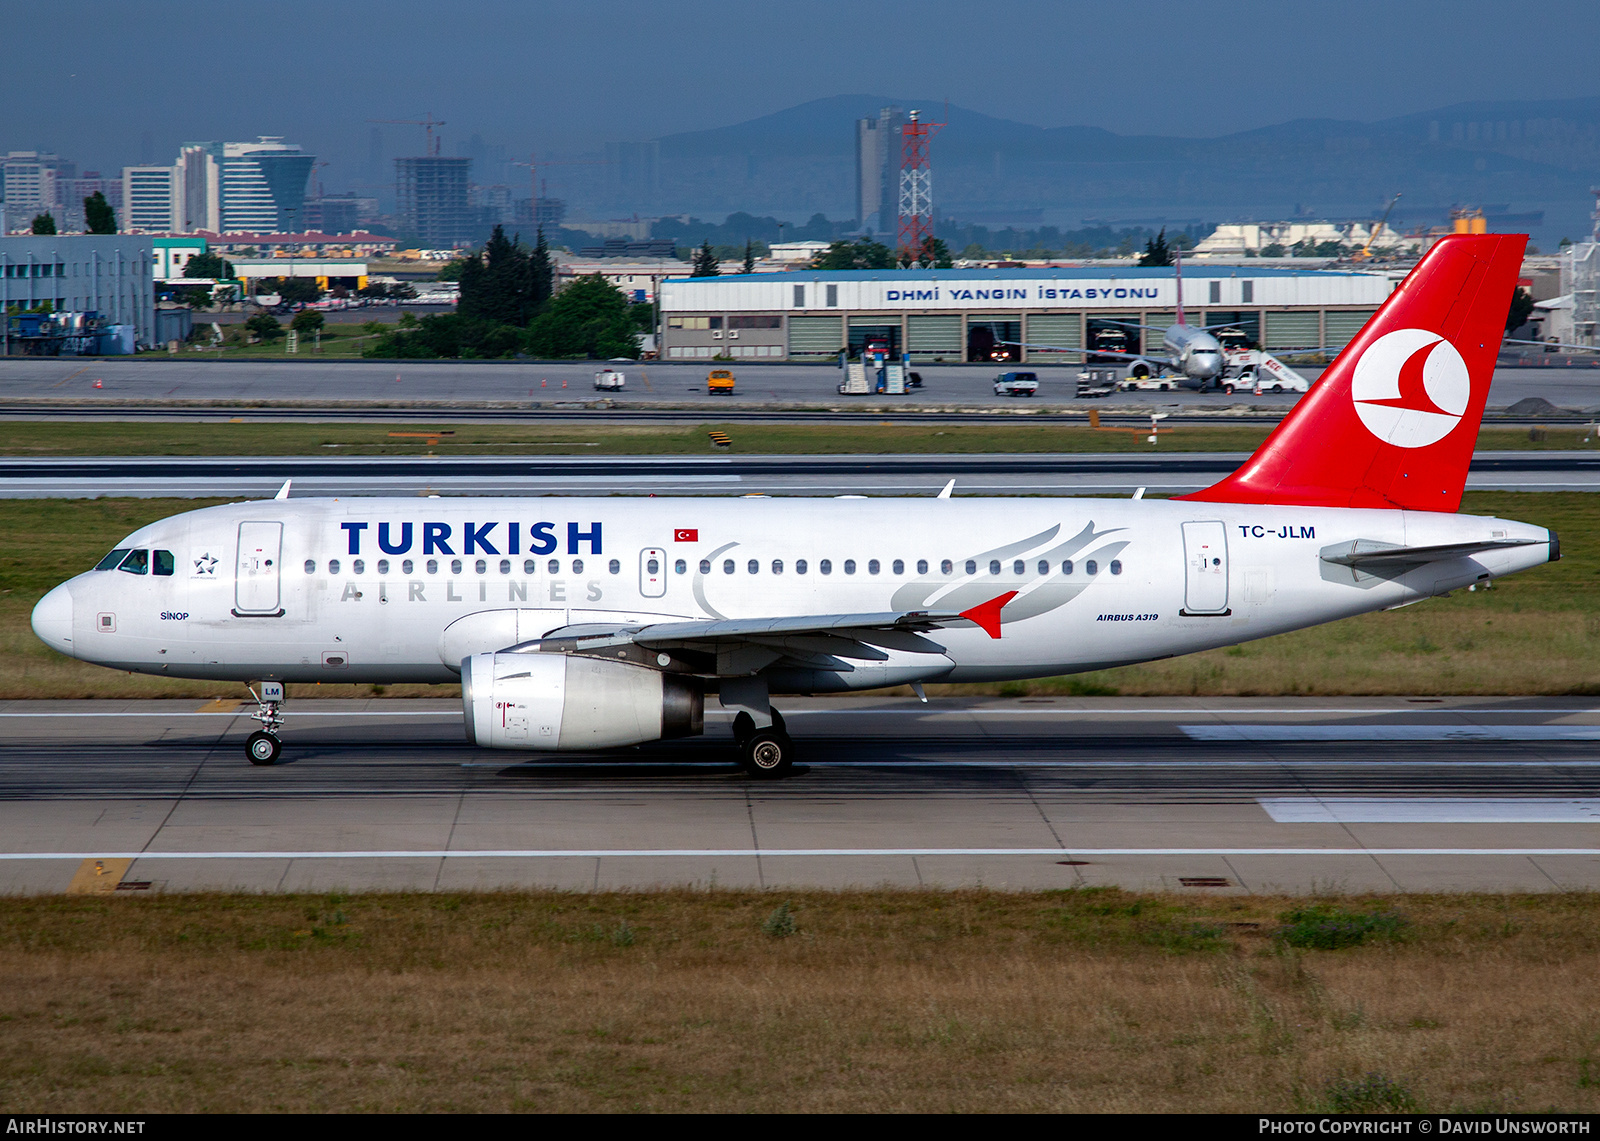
(780, 924)
(1324, 927)
(1373, 1093)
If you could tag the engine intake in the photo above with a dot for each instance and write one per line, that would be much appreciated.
(559, 702)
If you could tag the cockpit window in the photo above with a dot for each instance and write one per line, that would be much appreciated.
(110, 561)
(163, 562)
(137, 562)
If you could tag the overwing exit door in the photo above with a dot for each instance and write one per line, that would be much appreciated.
(1205, 554)
(256, 588)
(652, 572)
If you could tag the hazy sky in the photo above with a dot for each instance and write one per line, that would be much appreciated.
(94, 78)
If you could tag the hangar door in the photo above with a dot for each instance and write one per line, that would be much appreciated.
(1205, 580)
(256, 581)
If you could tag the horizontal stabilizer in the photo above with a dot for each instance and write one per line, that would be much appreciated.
(1365, 554)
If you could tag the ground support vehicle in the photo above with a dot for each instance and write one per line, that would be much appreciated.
(1016, 384)
(1096, 382)
(719, 382)
(609, 380)
(1262, 372)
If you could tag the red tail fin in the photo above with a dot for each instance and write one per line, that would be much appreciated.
(1393, 421)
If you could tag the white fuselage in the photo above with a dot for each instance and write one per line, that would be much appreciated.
(392, 590)
(1194, 353)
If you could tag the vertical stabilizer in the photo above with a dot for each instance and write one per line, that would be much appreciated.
(1393, 421)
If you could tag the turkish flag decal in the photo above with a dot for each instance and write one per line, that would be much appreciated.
(686, 535)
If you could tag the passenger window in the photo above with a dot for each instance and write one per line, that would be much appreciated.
(577, 566)
(505, 566)
(652, 566)
(705, 566)
(455, 566)
(777, 566)
(433, 566)
(111, 561)
(383, 566)
(333, 566)
(1044, 566)
(825, 566)
(137, 562)
(799, 566)
(972, 566)
(163, 563)
(405, 566)
(1066, 566)
(922, 566)
(1116, 566)
(727, 566)
(994, 566)
(529, 567)
(1090, 567)
(680, 566)
(849, 566)
(754, 567)
(357, 566)
(872, 566)
(555, 566)
(947, 567)
(481, 566)
(899, 566)
(1019, 567)
(311, 566)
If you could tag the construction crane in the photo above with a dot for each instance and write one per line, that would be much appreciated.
(1366, 250)
(432, 147)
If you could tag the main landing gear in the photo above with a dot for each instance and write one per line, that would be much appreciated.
(764, 753)
(263, 746)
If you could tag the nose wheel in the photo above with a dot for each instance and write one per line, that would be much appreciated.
(263, 746)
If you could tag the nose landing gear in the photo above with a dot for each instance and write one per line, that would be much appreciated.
(263, 746)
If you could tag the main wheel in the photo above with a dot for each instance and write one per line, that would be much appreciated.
(263, 748)
(767, 754)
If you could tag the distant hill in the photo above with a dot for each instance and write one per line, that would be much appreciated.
(1521, 156)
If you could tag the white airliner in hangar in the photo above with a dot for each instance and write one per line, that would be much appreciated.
(578, 623)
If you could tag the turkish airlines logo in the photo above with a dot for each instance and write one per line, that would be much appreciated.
(1411, 388)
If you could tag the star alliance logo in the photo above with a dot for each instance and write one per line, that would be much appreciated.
(205, 565)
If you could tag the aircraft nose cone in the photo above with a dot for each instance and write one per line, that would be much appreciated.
(52, 620)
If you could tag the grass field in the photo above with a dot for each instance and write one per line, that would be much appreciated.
(339, 342)
(1534, 633)
(870, 437)
(1088, 1001)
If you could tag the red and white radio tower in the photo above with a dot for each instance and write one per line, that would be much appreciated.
(916, 188)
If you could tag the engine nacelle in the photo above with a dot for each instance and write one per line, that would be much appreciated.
(558, 702)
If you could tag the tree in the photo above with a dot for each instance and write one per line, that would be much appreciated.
(705, 262)
(1275, 250)
(44, 223)
(1156, 251)
(208, 265)
(933, 254)
(264, 325)
(499, 286)
(589, 318)
(863, 253)
(307, 322)
(543, 273)
(98, 215)
(749, 256)
(1521, 309)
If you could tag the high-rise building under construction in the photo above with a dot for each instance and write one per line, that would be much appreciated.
(431, 194)
(877, 167)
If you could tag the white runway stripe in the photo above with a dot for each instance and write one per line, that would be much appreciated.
(1430, 810)
(1392, 732)
(721, 853)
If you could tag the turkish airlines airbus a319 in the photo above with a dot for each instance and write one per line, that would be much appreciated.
(582, 624)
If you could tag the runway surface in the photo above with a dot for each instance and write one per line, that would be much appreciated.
(1023, 474)
(1184, 794)
(43, 387)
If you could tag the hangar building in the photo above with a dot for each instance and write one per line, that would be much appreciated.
(956, 315)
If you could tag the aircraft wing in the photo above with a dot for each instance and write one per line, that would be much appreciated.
(743, 645)
(1081, 349)
(1553, 345)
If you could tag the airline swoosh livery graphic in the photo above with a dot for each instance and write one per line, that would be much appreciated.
(599, 623)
